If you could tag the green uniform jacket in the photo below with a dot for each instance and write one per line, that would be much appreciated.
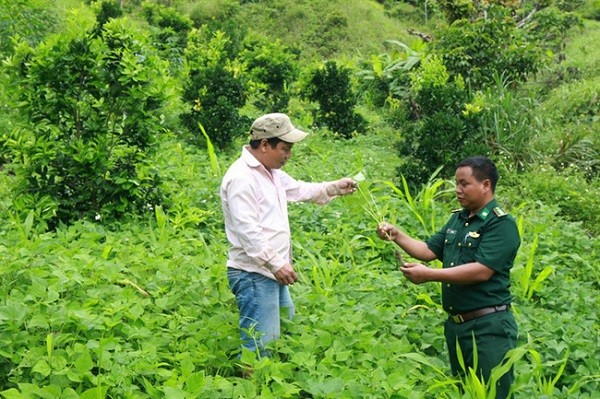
(491, 237)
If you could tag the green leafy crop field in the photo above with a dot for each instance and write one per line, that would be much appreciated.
(139, 307)
(142, 309)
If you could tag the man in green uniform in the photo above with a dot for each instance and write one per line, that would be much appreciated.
(477, 247)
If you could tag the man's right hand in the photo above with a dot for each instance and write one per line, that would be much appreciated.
(286, 275)
(387, 231)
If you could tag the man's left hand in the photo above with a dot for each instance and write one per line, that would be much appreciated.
(416, 273)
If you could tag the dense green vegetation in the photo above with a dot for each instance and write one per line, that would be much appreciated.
(119, 118)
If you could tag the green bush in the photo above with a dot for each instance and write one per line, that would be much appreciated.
(591, 10)
(575, 102)
(457, 9)
(170, 31)
(577, 198)
(440, 133)
(214, 89)
(93, 108)
(551, 27)
(272, 68)
(105, 11)
(331, 87)
(574, 111)
(415, 10)
(476, 50)
(510, 123)
(386, 77)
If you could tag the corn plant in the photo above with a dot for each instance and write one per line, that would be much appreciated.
(474, 385)
(423, 205)
(524, 274)
(546, 385)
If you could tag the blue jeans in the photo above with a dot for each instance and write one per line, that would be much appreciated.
(260, 301)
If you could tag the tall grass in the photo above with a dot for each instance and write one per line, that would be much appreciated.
(212, 156)
(526, 284)
(424, 205)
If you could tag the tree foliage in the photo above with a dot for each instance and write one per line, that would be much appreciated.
(442, 132)
(331, 87)
(170, 30)
(478, 49)
(272, 69)
(386, 77)
(214, 89)
(93, 104)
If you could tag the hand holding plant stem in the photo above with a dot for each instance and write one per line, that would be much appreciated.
(373, 210)
(399, 258)
(388, 232)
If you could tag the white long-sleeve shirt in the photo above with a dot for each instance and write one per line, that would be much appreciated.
(254, 201)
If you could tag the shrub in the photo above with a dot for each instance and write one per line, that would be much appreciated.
(577, 198)
(105, 11)
(441, 134)
(591, 10)
(330, 86)
(551, 27)
(457, 9)
(93, 104)
(386, 77)
(272, 68)
(477, 49)
(170, 30)
(575, 102)
(510, 123)
(214, 89)
(574, 110)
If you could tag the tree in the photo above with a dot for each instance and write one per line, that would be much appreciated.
(93, 104)
(214, 89)
(272, 68)
(441, 131)
(330, 86)
(477, 49)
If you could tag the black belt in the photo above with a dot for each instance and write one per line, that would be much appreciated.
(464, 317)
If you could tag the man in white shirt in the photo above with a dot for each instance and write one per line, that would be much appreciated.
(254, 196)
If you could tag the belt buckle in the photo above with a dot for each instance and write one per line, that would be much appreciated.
(457, 318)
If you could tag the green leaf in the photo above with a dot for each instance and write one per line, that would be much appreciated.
(214, 164)
(174, 393)
(94, 393)
(84, 362)
(42, 367)
(12, 393)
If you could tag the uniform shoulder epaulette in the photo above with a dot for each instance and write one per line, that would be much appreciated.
(499, 212)
(456, 210)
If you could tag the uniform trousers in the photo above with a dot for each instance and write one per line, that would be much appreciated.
(495, 334)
